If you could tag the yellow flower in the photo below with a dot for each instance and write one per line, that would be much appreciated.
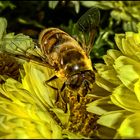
(22, 117)
(28, 109)
(120, 76)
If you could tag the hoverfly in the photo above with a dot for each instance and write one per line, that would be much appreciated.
(70, 57)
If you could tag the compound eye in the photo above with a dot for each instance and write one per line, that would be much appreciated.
(74, 82)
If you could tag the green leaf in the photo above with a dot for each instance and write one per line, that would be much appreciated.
(53, 4)
(120, 15)
(5, 4)
(100, 4)
(130, 26)
(76, 5)
(3, 26)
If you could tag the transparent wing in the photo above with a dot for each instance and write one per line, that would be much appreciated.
(87, 25)
(23, 47)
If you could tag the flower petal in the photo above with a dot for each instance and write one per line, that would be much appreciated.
(137, 89)
(118, 40)
(126, 99)
(101, 106)
(111, 56)
(69, 135)
(64, 117)
(105, 132)
(34, 81)
(104, 83)
(129, 43)
(128, 71)
(130, 127)
(113, 119)
(98, 92)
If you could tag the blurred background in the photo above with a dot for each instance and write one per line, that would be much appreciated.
(30, 17)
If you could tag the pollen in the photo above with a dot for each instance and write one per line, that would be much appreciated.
(9, 66)
(80, 120)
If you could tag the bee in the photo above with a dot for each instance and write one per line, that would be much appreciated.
(70, 57)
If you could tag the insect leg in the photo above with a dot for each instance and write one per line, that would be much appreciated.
(47, 83)
(51, 79)
(59, 96)
(63, 87)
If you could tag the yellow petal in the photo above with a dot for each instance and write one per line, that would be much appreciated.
(64, 117)
(118, 40)
(126, 99)
(113, 119)
(104, 83)
(128, 71)
(137, 89)
(105, 132)
(34, 81)
(98, 92)
(130, 127)
(111, 56)
(101, 106)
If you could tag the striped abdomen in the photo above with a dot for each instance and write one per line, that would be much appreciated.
(63, 52)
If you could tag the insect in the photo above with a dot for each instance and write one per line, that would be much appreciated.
(70, 57)
(67, 56)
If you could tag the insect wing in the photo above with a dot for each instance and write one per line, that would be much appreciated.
(26, 49)
(87, 26)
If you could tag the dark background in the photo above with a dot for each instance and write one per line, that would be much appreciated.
(30, 17)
